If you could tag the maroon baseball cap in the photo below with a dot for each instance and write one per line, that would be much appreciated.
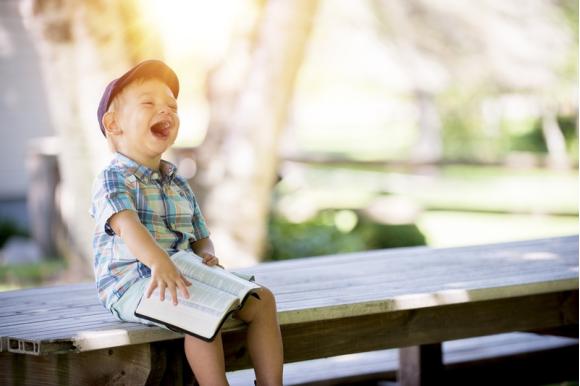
(149, 69)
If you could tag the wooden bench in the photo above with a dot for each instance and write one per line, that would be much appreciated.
(409, 298)
(515, 358)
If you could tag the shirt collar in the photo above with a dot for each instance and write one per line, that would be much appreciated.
(128, 166)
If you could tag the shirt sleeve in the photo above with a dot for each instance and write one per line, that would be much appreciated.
(110, 195)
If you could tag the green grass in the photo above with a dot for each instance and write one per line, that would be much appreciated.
(448, 229)
(29, 275)
(497, 189)
(456, 205)
(461, 188)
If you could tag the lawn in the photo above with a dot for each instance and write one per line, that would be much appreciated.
(451, 206)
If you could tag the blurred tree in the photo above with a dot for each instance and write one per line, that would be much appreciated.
(249, 94)
(497, 46)
(84, 44)
(81, 45)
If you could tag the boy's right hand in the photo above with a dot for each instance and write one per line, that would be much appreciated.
(165, 275)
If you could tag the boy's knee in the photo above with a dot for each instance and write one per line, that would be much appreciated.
(267, 297)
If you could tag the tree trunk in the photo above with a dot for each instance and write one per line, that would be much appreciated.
(397, 24)
(429, 145)
(238, 161)
(555, 141)
(82, 46)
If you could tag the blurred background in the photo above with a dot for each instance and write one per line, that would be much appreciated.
(307, 127)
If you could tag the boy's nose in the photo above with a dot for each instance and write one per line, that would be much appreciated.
(164, 110)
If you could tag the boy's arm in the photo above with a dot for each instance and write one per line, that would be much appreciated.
(164, 274)
(204, 248)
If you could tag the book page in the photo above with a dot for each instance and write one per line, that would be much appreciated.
(201, 313)
(204, 298)
(192, 267)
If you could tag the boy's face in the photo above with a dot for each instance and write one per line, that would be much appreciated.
(145, 121)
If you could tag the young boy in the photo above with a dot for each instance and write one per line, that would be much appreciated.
(145, 212)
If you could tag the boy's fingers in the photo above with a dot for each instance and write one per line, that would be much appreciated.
(187, 282)
(162, 291)
(184, 291)
(210, 260)
(151, 288)
(173, 294)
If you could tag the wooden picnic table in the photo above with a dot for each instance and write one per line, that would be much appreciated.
(410, 298)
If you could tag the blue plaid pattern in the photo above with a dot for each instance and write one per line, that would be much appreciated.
(164, 203)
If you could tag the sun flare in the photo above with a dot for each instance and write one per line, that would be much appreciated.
(203, 27)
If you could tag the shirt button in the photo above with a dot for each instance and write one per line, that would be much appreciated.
(154, 176)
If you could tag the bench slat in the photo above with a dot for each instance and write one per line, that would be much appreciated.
(428, 280)
(409, 254)
(56, 290)
(452, 265)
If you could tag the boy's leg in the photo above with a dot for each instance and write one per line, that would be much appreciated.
(264, 338)
(206, 360)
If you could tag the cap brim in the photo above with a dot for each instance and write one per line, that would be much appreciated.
(148, 69)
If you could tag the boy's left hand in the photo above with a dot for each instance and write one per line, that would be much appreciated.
(209, 259)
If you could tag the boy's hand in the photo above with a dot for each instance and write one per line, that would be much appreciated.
(209, 259)
(165, 275)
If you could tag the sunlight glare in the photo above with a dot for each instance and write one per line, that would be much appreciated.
(540, 256)
(185, 26)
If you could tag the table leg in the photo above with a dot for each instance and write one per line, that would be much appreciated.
(420, 365)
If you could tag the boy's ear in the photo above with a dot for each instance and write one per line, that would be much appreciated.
(110, 123)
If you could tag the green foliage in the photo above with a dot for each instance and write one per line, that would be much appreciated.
(8, 229)
(528, 139)
(568, 126)
(321, 236)
(29, 275)
(464, 135)
(532, 139)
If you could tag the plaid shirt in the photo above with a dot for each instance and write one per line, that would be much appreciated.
(164, 203)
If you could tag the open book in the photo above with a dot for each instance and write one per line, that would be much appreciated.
(214, 294)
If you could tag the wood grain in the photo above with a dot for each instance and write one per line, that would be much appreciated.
(320, 339)
(327, 306)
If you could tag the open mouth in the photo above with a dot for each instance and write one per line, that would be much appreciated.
(161, 129)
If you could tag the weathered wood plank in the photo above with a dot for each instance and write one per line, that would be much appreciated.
(362, 292)
(355, 287)
(52, 317)
(34, 324)
(413, 327)
(463, 357)
(396, 277)
(386, 281)
(429, 298)
(531, 250)
(134, 365)
(551, 243)
(55, 290)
